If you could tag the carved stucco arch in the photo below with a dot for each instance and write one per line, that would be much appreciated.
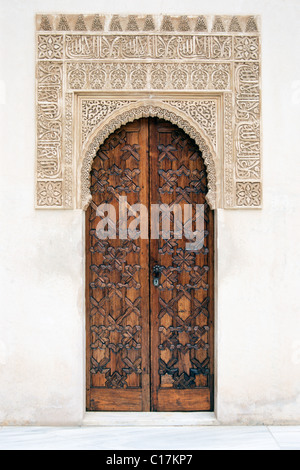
(138, 110)
(206, 68)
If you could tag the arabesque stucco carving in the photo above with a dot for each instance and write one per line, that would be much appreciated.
(95, 73)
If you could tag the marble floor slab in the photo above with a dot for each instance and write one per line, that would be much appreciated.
(287, 437)
(152, 438)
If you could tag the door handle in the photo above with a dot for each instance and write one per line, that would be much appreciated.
(156, 274)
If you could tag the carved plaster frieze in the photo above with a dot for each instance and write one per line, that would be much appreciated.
(148, 76)
(95, 73)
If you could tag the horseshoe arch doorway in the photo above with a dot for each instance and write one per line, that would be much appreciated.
(149, 300)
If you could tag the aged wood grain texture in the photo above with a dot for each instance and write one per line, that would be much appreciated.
(149, 347)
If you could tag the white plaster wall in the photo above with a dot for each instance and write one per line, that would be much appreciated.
(41, 252)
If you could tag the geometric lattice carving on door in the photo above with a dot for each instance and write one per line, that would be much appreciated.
(150, 345)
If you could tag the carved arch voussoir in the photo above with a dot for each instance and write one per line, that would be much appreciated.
(130, 113)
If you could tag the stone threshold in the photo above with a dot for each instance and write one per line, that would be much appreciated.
(149, 419)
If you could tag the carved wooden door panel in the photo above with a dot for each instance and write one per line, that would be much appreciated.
(149, 347)
(117, 280)
(181, 306)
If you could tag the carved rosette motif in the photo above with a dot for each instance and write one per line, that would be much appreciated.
(95, 73)
(154, 76)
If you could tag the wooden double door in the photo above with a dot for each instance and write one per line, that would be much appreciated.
(149, 301)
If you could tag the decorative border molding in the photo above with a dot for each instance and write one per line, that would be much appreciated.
(96, 73)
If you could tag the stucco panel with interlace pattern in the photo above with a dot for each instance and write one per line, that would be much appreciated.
(95, 73)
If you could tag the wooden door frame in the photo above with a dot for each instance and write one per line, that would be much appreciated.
(184, 417)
